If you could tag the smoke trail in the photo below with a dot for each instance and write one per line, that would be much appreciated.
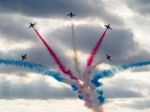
(38, 67)
(57, 60)
(95, 49)
(75, 56)
(112, 71)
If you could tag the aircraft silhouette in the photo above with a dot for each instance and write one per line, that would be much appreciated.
(108, 27)
(71, 14)
(24, 57)
(32, 25)
(108, 57)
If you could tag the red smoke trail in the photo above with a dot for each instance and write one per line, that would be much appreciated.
(57, 60)
(94, 51)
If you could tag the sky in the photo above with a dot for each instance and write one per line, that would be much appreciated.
(127, 42)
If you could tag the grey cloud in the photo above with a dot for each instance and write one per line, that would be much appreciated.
(37, 89)
(15, 29)
(139, 55)
(138, 103)
(57, 8)
(141, 104)
(37, 55)
(122, 87)
(47, 7)
(140, 6)
(120, 92)
(83, 40)
(118, 42)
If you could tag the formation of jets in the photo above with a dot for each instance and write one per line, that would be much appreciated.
(108, 57)
(32, 25)
(24, 57)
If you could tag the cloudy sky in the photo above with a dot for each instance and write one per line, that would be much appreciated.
(128, 42)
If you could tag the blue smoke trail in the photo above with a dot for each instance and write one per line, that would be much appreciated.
(112, 71)
(38, 67)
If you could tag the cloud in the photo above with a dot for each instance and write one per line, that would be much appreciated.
(119, 43)
(129, 104)
(137, 103)
(38, 88)
(51, 8)
(59, 9)
(13, 29)
(140, 6)
(140, 104)
(122, 87)
(38, 55)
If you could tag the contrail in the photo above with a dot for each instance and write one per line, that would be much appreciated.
(112, 71)
(57, 60)
(95, 49)
(75, 56)
(37, 67)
